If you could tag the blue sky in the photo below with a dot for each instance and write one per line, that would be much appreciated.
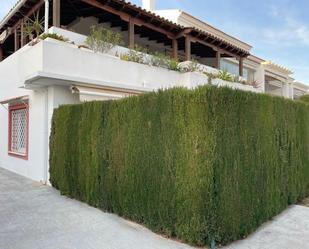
(278, 30)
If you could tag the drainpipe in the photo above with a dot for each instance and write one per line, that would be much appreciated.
(46, 16)
(46, 138)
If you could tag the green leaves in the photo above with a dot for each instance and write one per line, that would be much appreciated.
(225, 75)
(53, 36)
(102, 39)
(304, 99)
(33, 26)
(207, 166)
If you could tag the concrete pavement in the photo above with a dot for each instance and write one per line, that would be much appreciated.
(289, 230)
(34, 216)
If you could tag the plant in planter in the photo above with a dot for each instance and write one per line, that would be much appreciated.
(102, 39)
(161, 60)
(225, 75)
(211, 76)
(33, 27)
(173, 64)
(54, 36)
(190, 66)
(135, 55)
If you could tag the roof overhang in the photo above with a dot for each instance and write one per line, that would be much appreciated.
(204, 27)
(190, 22)
(87, 93)
(217, 43)
(301, 86)
(43, 79)
(20, 10)
(276, 67)
(11, 14)
(14, 100)
(128, 11)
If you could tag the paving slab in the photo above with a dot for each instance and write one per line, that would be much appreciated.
(289, 230)
(35, 216)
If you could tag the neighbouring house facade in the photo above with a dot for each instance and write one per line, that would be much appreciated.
(273, 78)
(38, 76)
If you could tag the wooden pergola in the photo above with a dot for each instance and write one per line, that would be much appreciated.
(128, 17)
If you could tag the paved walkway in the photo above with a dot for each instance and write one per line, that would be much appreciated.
(289, 230)
(33, 216)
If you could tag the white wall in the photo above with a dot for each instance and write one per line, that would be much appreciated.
(49, 68)
(42, 101)
(12, 72)
(83, 65)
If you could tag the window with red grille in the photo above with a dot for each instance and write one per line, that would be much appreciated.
(18, 130)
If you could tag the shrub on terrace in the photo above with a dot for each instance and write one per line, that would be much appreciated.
(102, 39)
(53, 36)
(225, 75)
(135, 55)
(203, 165)
(162, 60)
(141, 55)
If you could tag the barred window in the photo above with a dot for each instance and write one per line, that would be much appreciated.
(18, 130)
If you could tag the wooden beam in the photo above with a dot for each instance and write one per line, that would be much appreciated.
(241, 66)
(188, 48)
(19, 40)
(175, 49)
(1, 53)
(218, 60)
(215, 48)
(16, 40)
(183, 33)
(126, 17)
(131, 34)
(31, 12)
(22, 37)
(56, 13)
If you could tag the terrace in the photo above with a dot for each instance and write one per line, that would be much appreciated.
(137, 26)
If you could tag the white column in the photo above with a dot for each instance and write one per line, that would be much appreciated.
(260, 77)
(291, 90)
(46, 16)
(287, 89)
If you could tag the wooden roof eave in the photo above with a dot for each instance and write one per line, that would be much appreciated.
(15, 19)
(136, 18)
(202, 37)
(140, 17)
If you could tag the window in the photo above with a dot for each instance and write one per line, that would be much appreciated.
(233, 69)
(18, 130)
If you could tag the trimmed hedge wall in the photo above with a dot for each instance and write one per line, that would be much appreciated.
(203, 165)
(304, 99)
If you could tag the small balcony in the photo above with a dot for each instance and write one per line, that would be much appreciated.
(69, 63)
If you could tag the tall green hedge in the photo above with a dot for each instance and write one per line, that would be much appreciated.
(203, 165)
(304, 99)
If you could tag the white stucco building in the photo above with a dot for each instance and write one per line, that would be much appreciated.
(37, 77)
